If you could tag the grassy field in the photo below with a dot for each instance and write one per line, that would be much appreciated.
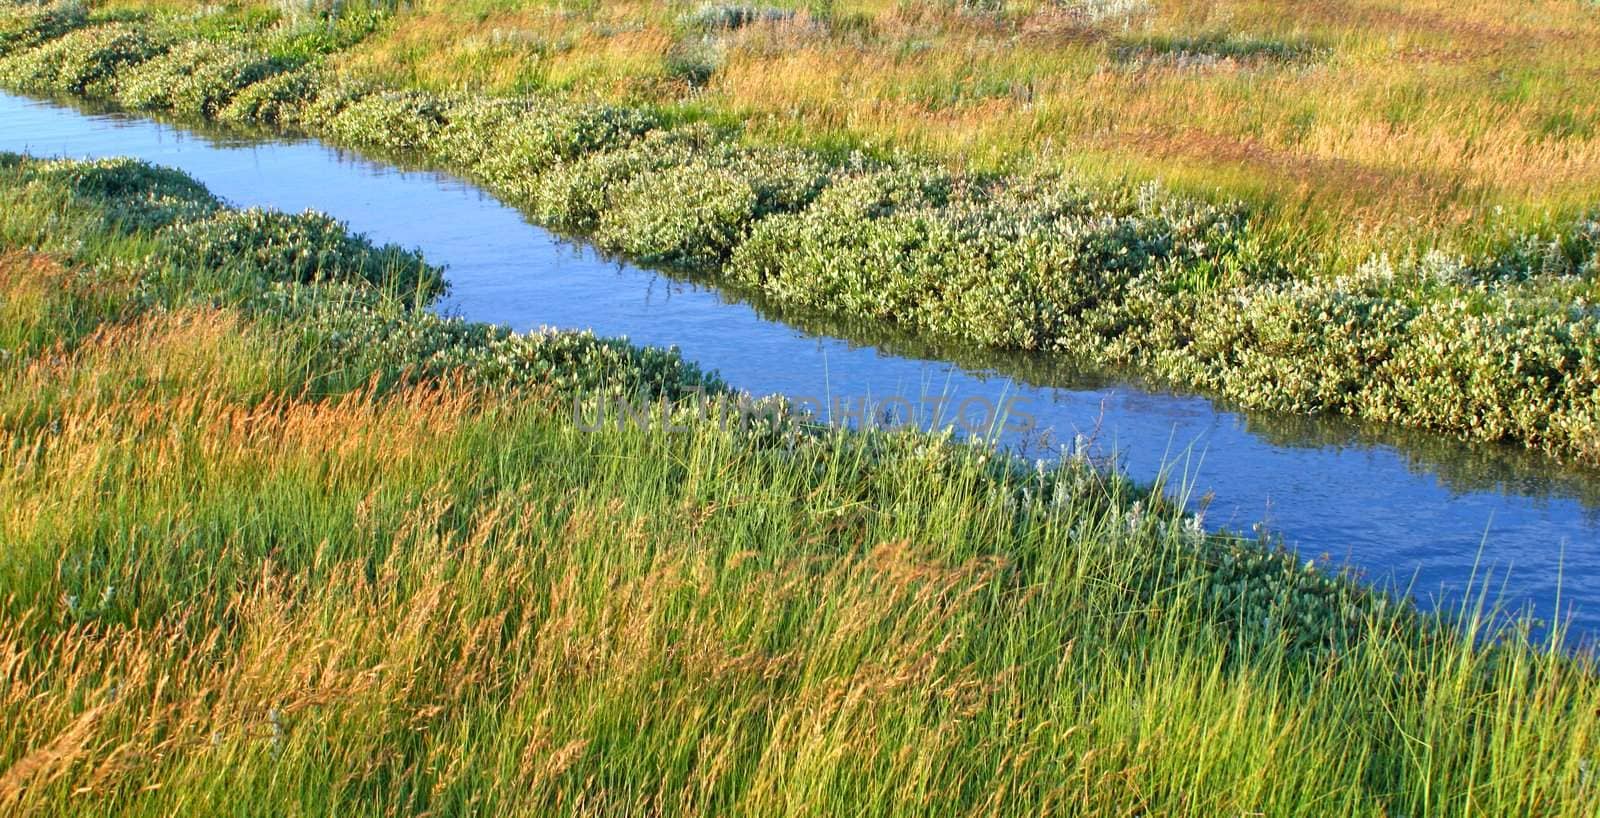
(276, 540)
(279, 542)
(1370, 122)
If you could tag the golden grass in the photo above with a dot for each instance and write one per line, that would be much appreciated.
(1413, 119)
(383, 647)
(226, 594)
(36, 293)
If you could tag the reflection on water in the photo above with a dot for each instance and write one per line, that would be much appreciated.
(1398, 505)
(1462, 466)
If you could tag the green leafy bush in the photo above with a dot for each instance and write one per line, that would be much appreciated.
(28, 27)
(1000, 264)
(333, 96)
(572, 195)
(473, 128)
(127, 195)
(86, 61)
(194, 79)
(548, 133)
(723, 17)
(272, 247)
(374, 337)
(390, 121)
(1524, 371)
(279, 101)
(696, 212)
(688, 214)
(1507, 359)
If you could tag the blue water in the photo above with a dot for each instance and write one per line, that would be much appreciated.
(1403, 508)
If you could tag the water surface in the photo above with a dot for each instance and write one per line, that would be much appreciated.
(1408, 508)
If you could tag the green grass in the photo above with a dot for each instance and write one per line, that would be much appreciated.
(277, 541)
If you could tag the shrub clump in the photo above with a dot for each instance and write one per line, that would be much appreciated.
(1514, 356)
(370, 335)
(474, 126)
(24, 28)
(269, 246)
(572, 195)
(389, 121)
(548, 133)
(194, 79)
(128, 195)
(86, 62)
(1002, 264)
(723, 17)
(696, 212)
(279, 100)
(333, 96)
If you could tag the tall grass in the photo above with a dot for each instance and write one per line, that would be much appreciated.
(247, 571)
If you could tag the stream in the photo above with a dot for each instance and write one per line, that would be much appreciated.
(1401, 508)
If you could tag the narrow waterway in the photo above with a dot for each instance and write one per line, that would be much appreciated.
(1403, 508)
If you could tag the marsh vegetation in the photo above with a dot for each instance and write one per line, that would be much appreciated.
(1496, 338)
(275, 536)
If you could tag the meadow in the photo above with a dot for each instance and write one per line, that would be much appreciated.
(278, 540)
(1494, 337)
(1359, 124)
(275, 538)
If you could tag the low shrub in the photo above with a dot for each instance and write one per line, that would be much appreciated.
(267, 246)
(194, 79)
(572, 195)
(87, 61)
(696, 212)
(1522, 371)
(999, 264)
(473, 130)
(394, 122)
(280, 100)
(333, 96)
(125, 194)
(374, 338)
(22, 28)
(1502, 359)
(548, 133)
(688, 214)
(723, 17)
